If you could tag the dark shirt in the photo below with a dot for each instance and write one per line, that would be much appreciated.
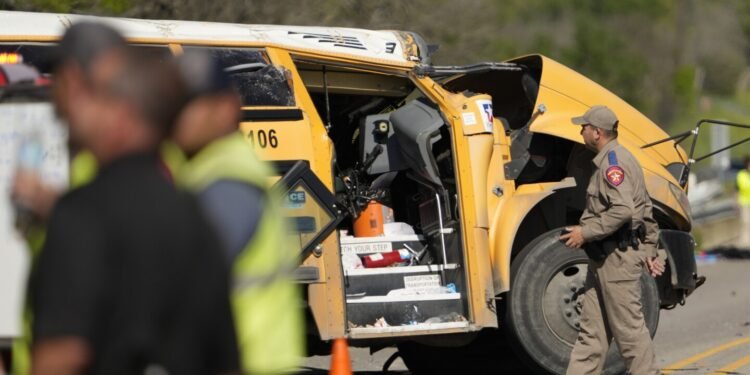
(130, 266)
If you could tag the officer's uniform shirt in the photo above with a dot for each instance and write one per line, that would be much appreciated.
(617, 195)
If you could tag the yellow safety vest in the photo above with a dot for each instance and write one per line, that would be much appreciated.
(743, 185)
(266, 303)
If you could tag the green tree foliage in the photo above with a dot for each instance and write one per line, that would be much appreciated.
(684, 86)
(607, 59)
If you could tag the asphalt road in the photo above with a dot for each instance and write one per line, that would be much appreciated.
(709, 335)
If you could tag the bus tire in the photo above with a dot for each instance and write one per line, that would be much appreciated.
(542, 330)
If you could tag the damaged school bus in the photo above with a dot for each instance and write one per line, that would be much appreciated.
(461, 177)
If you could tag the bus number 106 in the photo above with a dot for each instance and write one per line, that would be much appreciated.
(263, 138)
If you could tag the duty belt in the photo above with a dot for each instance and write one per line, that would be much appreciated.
(622, 239)
(630, 237)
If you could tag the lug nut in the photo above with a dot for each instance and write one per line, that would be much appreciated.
(566, 300)
(568, 313)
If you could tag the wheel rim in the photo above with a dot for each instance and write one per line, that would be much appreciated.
(563, 299)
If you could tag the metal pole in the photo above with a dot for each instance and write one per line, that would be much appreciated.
(722, 149)
(442, 234)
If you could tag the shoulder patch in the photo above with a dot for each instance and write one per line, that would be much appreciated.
(615, 175)
(612, 157)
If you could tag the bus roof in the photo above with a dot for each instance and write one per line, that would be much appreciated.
(393, 46)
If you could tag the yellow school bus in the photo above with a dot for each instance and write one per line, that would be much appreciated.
(468, 172)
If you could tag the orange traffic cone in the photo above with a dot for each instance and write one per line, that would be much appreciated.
(340, 362)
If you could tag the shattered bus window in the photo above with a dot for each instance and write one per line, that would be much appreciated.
(267, 86)
(258, 82)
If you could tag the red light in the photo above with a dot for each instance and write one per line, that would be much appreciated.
(42, 81)
(10, 58)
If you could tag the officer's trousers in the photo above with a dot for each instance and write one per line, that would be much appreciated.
(614, 286)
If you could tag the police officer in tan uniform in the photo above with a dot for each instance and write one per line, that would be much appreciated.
(619, 234)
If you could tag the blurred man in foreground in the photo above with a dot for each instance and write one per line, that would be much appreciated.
(128, 281)
(231, 185)
(82, 49)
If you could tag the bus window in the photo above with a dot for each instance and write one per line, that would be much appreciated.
(259, 82)
(158, 51)
(39, 55)
(36, 55)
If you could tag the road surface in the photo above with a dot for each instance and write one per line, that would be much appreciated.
(709, 335)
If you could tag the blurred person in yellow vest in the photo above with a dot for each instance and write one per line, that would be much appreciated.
(231, 184)
(743, 199)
